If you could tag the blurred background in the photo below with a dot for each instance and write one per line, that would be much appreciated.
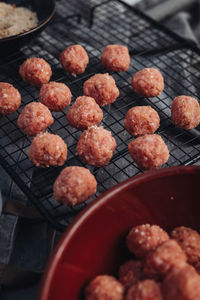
(182, 16)
(27, 238)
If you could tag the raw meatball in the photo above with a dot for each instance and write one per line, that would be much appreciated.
(144, 238)
(104, 287)
(182, 284)
(163, 259)
(141, 120)
(35, 71)
(96, 146)
(189, 240)
(10, 98)
(34, 118)
(145, 290)
(48, 150)
(131, 272)
(102, 88)
(55, 95)
(148, 82)
(185, 112)
(149, 151)
(74, 59)
(74, 185)
(116, 58)
(85, 112)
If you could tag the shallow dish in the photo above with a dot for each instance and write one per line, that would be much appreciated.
(45, 10)
(94, 243)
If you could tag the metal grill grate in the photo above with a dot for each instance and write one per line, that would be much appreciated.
(150, 46)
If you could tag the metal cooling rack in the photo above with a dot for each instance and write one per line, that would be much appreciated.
(150, 45)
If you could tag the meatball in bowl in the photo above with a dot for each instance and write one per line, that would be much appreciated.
(97, 256)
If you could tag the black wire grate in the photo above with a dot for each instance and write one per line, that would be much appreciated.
(95, 26)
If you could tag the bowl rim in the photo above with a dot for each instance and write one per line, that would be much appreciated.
(94, 205)
(20, 35)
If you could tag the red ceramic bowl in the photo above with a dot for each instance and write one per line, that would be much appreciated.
(94, 243)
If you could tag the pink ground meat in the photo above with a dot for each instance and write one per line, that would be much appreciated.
(185, 112)
(116, 58)
(144, 238)
(35, 71)
(34, 118)
(74, 59)
(149, 151)
(102, 88)
(141, 120)
(96, 146)
(55, 95)
(74, 185)
(10, 98)
(165, 257)
(130, 272)
(189, 240)
(48, 150)
(182, 284)
(84, 112)
(104, 287)
(148, 82)
(145, 290)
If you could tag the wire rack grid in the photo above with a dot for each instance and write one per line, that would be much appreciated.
(150, 45)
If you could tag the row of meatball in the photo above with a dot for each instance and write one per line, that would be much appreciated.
(56, 96)
(148, 151)
(162, 268)
(96, 145)
(74, 60)
(148, 82)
